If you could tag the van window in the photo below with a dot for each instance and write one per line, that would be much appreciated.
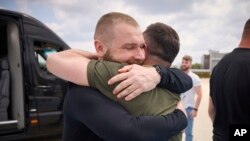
(42, 50)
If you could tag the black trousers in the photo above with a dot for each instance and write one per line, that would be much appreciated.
(90, 116)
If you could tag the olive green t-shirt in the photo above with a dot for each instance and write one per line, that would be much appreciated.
(158, 101)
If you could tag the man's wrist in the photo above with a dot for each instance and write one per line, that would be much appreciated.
(159, 71)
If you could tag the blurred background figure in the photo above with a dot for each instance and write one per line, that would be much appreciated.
(191, 99)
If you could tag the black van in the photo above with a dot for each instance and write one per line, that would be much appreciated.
(31, 98)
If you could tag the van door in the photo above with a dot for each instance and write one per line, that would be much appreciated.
(49, 91)
(46, 91)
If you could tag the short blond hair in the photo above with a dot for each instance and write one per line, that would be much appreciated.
(104, 28)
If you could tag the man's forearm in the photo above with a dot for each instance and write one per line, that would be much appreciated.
(175, 80)
(174, 124)
(70, 65)
(198, 91)
(86, 54)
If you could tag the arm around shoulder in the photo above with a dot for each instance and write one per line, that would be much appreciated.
(70, 65)
(175, 80)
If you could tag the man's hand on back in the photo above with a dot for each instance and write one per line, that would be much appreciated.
(134, 80)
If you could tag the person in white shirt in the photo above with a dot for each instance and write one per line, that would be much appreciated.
(190, 101)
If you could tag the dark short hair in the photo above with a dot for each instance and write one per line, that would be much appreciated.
(162, 41)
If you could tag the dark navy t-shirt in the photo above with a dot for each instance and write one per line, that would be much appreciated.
(230, 92)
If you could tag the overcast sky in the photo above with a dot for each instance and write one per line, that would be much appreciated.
(202, 25)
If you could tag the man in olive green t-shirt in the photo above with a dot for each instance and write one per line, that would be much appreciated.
(158, 101)
(163, 46)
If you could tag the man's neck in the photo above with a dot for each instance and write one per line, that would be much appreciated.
(187, 71)
(153, 60)
(245, 43)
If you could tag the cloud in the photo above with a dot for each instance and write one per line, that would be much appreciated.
(23, 6)
(159, 7)
(88, 46)
(210, 25)
(201, 25)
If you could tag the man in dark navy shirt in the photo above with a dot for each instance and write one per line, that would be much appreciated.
(230, 89)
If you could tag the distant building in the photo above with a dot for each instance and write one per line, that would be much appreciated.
(215, 57)
(205, 61)
(208, 61)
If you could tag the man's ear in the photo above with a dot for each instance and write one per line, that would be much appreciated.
(100, 48)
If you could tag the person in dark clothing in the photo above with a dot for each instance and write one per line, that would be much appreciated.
(94, 117)
(230, 89)
(107, 119)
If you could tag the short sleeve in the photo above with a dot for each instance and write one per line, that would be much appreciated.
(99, 72)
(196, 80)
